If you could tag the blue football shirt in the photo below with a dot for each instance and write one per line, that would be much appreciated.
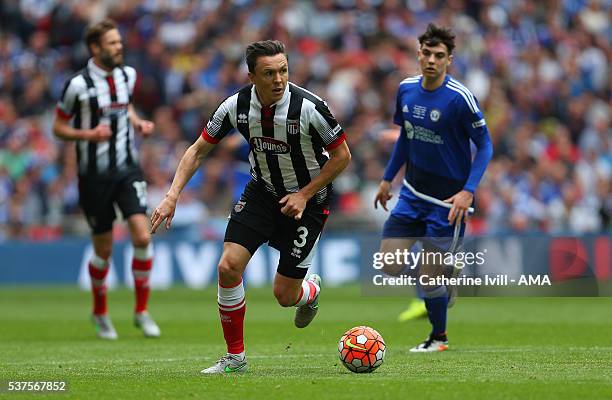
(436, 128)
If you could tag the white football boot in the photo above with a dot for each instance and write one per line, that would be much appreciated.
(227, 364)
(149, 328)
(306, 313)
(430, 345)
(104, 327)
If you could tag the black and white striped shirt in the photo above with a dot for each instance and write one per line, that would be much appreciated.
(94, 96)
(288, 140)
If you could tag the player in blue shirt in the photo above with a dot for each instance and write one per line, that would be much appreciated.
(438, 117)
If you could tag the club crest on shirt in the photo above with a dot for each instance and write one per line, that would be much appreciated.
(293, 126)
(434, 115)
(239, 206)
(269, 145)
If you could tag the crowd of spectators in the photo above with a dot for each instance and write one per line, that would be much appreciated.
(540, 70)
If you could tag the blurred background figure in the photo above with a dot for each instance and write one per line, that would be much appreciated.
(95, 112)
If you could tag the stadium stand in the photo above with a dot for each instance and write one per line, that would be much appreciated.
(540, 70)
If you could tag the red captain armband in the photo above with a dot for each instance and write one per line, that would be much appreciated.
(339, 140)
(208, 138)
(62, 114)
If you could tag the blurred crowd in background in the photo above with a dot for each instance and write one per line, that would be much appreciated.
(539, 69)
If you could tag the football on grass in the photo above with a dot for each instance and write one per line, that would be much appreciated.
(361, 349)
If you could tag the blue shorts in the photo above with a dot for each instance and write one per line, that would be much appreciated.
(416, 218)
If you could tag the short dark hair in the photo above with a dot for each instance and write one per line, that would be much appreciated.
(94, 32)
(434, 35)
(261, 49)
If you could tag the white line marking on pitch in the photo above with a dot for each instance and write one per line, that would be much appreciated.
(310, 355)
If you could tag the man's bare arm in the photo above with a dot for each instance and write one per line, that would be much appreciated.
(143, 126)
(63, 130)
(295, 203)
(190, 162)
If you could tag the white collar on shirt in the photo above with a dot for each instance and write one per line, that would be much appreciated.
(281, 101)
(96, 70)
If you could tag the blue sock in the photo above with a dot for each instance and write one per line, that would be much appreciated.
(436, 311)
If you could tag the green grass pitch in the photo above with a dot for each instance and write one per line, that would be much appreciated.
(502, 348)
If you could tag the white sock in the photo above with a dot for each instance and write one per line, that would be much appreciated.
(308, 293)
(241, 356)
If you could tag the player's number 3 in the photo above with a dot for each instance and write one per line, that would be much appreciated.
(303, 232)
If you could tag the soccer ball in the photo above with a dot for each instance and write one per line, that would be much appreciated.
(361, 349)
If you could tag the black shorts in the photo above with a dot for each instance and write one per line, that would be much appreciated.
(257, 219)
(98, 196)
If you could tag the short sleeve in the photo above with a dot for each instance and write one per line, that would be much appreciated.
(132, 76)
(326, 126)
(219, 125)
(68, 100)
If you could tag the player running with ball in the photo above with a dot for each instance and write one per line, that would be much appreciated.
(438, 117)
(297, 149)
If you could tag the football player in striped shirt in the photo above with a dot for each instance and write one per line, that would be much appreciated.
(96, 113)
(297, 148)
